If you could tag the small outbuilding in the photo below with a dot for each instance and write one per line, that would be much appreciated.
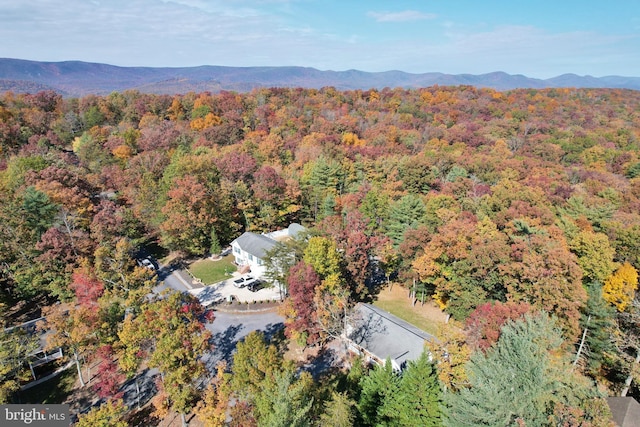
(625, 411)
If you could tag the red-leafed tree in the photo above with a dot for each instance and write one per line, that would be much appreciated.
(274, 204)
(358, 249)
(190, 212)
(56, 246)
(546, 275)
(299, 313)
(269, 187)
(236, 166)
(484, 323)
(108, 222)
(357, 245)
(109, 378)
(86, 287)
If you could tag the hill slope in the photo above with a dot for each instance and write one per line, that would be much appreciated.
(76, 78)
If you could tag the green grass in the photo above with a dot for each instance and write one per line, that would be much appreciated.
(52, 391)
(210, 272)
(403, 309)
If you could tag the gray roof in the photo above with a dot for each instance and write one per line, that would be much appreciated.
(625, 411)
(386, 336)
(255, 244)
(295, 229)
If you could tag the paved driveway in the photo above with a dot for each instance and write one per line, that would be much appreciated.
(229, 328)
(223, 290)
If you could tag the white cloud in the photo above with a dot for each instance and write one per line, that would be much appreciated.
(246, 33)
(404, 16)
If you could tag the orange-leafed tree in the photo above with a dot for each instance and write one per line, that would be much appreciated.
(72, 328)
(212, 409)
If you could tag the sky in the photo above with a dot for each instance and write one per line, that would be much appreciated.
(543, 38)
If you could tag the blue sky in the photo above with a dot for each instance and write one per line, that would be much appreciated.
(536, 38)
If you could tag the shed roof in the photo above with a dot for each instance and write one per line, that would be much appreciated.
(255, 244)
(625, 411)
(295, 229)
(387, 336)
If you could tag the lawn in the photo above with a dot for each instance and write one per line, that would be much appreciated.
(54, 390)
(210, 272)
(426, 317)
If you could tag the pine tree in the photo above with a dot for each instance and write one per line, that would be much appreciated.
(408, 212)
(418, 399)
(338, 412)
(268, 385)
(598, 320)
(286, 402)
(520, 380)
(378, 389)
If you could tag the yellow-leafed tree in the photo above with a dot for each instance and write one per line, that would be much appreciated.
(620, 288)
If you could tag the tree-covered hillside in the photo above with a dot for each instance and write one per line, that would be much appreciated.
(499, 205)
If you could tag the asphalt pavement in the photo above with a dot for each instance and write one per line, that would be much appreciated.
(230, 328)
(227, 328)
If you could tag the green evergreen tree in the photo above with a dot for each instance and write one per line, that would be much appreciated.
(263, 381)
(418, 399)
(254, 362)
(598, 320)
(215, 247)
(521, 380)
(408, 212)
(375, 208)
(377, 393)
(338, 412)
(286, 402)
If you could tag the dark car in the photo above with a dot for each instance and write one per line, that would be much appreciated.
(253, 285)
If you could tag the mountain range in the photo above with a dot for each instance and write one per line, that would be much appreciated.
(77, 78)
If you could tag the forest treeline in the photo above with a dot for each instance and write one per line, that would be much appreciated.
(518, 212)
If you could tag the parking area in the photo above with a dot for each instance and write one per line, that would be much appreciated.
(243, 288)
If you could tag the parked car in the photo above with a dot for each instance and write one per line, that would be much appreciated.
(241, 282)
(147, 263)
(253, 284)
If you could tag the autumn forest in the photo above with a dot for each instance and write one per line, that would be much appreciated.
(517, 213)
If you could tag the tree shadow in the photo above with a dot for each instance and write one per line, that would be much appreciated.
(225, 343)
(376, 281)
(145, 383)
(143, 417)
(326, 363)
(166, 270)
(363, 328)
(274, 334)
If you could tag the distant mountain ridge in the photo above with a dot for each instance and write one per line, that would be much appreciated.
(77, 78)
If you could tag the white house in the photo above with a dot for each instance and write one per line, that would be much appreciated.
(250, 248)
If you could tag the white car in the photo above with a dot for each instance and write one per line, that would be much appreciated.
(146, 262)
(241, 282)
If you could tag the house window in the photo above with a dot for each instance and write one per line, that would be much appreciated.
(259, 261)
(236, 249)
(250, 257)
